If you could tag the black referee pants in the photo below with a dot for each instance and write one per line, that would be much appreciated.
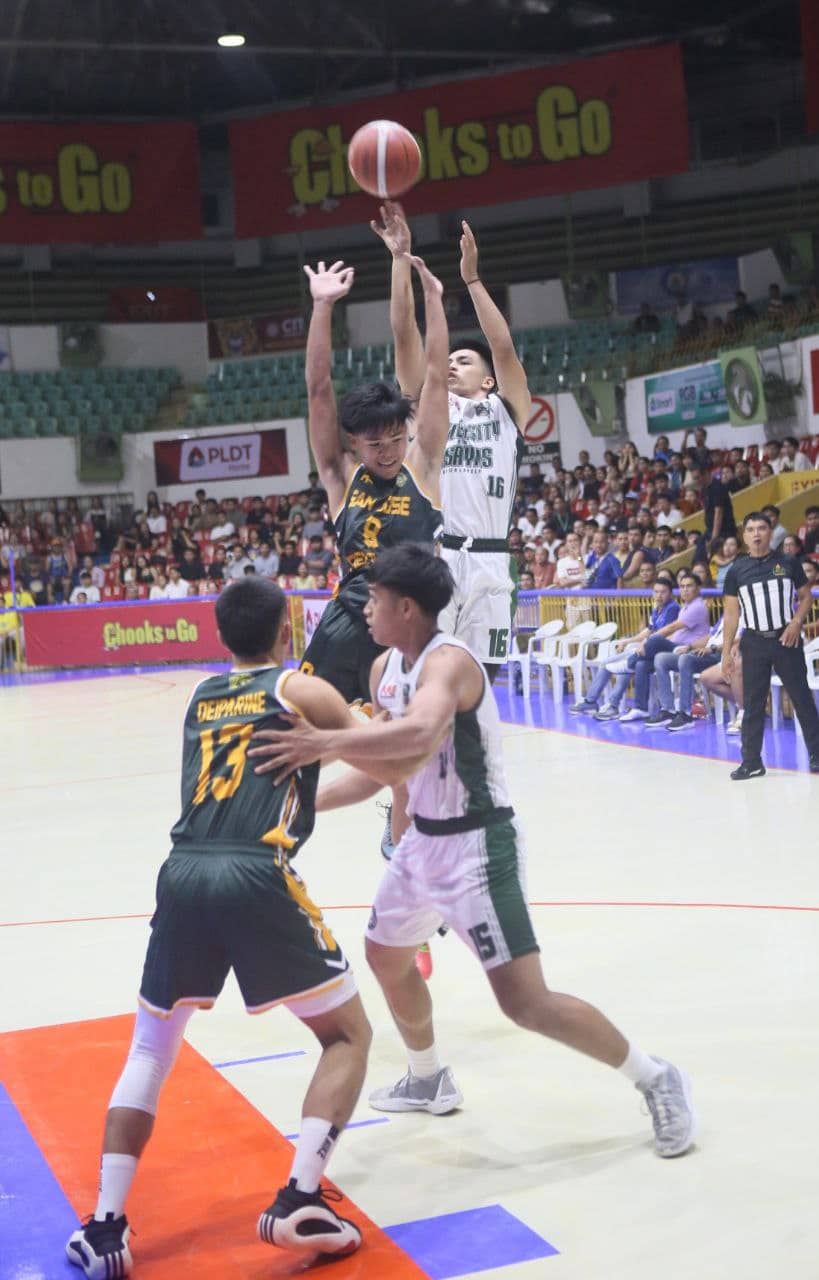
(761, 655)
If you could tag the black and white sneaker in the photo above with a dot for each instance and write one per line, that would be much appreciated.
(679, 721)
(101, 1248)
(304, 1223)
(746, 771)
(659, 720)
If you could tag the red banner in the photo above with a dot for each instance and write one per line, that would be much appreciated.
(810, 62)
(122, 635)
(604, 121)
(81, 183)
(162, 304)
(235, 457)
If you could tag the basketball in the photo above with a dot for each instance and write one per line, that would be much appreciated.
(384, 158)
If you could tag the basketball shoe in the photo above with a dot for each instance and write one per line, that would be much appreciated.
(304, 1223)
(101, 1248)
(437, 1094)
(668, 1098)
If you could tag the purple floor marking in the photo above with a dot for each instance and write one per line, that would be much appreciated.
(267, 1057)
(783, 749)
(456, 1244)
(354, 1124)
(35, 1216)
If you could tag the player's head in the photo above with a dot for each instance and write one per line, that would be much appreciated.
(471, 371)
(251, 615)
(409, 585)
(376, 417)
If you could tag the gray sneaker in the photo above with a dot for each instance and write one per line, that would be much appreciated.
(669, 1100)
(607, 713)
(437, 1094)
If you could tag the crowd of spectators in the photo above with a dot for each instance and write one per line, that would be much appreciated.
(607, 527)
(71, 556)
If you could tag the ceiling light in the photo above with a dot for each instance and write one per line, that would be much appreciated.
(231, 40)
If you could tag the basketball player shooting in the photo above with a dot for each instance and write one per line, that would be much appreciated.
(489, 406)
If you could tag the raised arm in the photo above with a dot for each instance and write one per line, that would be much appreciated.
(410, 363)
(327, 286)
(511, 375)
(426, 452)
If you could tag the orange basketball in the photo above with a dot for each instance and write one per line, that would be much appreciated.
(384, 158)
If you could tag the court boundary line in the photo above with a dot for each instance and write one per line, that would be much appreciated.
(548, 902)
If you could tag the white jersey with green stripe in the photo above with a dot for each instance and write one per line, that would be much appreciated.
(465, 778)
(480, 469)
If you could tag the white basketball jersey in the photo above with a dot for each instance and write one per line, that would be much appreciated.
(480, 470)
(465, 776)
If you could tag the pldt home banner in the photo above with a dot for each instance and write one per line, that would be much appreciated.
(600, 122)
(82, 183)
(233, 457)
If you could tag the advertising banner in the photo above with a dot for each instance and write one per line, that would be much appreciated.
(744, 393)
(599, 122)
(312, 610)
(93, 183)
(587, 294)
(231, 457)
(255, 335)
(683, 399)
(541, 434)
(103, 635)
(705, 282)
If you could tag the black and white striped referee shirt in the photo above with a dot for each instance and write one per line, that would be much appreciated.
(766, 587)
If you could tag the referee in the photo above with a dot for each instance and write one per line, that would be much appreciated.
(763, 584)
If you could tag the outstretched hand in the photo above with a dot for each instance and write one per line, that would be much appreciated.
(469, 254)
(430, 282)
(329, 284)
(393, 228)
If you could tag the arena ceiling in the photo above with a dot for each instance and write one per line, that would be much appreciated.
(109, 58)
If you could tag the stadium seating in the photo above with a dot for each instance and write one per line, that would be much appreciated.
(67, 401)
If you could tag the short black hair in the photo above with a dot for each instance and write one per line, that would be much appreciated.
(481, 349)
(249, 613)
(687, 575)
(791, 440)
(758, 515)
(812, 511)
(373, 407)
(412, 569)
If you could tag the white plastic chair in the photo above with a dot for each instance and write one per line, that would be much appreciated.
(812, 664)
(563, 659)
(603, 638)
(542, 641)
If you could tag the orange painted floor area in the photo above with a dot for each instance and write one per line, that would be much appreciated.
(213, 1163)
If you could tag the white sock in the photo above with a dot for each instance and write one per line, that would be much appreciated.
(116, 1175)
(424, 1063)
(314, 1146)
(639, 1068)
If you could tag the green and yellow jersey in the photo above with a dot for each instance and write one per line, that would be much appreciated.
(378, 514)
(225, 805)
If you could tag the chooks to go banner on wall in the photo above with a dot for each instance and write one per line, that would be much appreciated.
(599, 122)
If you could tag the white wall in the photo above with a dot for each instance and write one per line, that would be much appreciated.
(185, 346)
(33, 347)
(368, 322)
(48, 468)
(757, 271)
(532, 305)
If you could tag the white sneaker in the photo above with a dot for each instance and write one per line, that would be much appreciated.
(736, 724)
(668, 1098)
(632, 715)
(438, 1094)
